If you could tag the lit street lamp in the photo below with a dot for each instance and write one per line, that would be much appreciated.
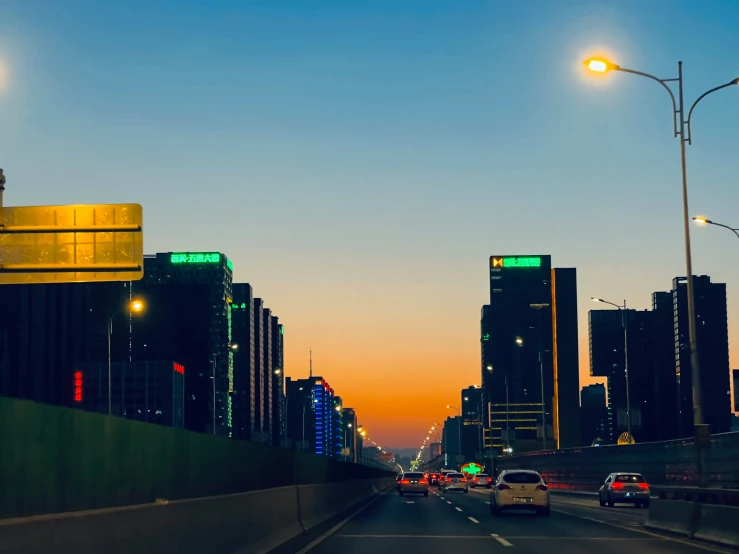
(624, 315)
(704, 221)
(135, 307)
(682, 129)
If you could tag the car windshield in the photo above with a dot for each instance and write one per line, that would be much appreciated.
(521, 478)
(631, 478)
(413, 476)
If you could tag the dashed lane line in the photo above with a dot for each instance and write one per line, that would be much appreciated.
(458, 508)
(500, 539)
(448, 501)
(473, 520)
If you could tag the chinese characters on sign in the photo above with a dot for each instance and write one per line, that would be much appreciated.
(78, 386)
(517, 262)
(195, 258)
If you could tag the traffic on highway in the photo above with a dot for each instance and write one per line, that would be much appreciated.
(505, 518)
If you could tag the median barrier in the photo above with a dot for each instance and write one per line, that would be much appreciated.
(719, 524)
(675, 516)
(244, 523)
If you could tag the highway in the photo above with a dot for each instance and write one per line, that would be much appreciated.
(456, 523)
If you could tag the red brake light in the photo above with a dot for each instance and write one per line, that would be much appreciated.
(644, 486)
(541, 488)
(423, 482)
(449, 479)
(503, 487)
(404, 481)
(617, 485)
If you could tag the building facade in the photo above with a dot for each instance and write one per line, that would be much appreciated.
(595, 427)
(530, 370)
(242, 329)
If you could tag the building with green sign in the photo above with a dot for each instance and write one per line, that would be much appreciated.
(215, 271)
(529, 355)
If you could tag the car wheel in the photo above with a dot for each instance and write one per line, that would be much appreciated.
(426, 493)
(400, 493)
(645, 504)
(494, 510)
(601, 501)
(543, 511)
(466, 491)
(610, 502)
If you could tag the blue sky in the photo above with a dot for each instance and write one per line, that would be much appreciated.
(360, 160)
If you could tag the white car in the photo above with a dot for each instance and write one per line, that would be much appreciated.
(455, 482)
(519, 489)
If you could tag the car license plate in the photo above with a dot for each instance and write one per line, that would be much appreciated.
(628, 494)
(414, 482)
(522, 500)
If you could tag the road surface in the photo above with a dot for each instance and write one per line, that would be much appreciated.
(457, 523)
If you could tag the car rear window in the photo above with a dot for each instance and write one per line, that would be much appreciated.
(629, 479)
(455, 475)
(413, 476)
(521, 478)
(482, 475)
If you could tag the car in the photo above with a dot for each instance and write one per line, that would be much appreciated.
(481, 480)
(454, 481)
(434, 478)
(519, 489)
(413, 482)
(624, 488)
(398, 477)
(442, 475)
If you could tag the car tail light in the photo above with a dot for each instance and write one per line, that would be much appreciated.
(503, 487)
(404, 481)
(541, 488)
(464, 479)
(617, 486)
(448, 479)
(644, 486)
(423, 482)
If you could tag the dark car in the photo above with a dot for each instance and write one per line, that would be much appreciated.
(434, 478)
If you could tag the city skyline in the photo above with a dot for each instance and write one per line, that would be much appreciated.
(359, 164)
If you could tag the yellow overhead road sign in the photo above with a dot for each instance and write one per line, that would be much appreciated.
(71, 244)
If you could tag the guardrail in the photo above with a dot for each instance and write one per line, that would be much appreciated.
(245, 523)
(664, 464)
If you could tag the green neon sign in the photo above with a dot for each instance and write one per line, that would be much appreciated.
(230, 265)
(195, 258)
(472, 468)
(530, 261)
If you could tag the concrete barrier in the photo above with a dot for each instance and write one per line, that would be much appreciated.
(252, 522)
(675, 516)
(719, 524)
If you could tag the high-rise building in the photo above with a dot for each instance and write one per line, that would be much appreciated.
(260, 373)
(434, 450)
(451, 441)
(46, 329)
(607, 360)
(337, 428)
(349, 421)
(152, 392)
(735, 382)
(242, 334)
(215, 271)
(268, 376)
(530, 370)
(713, 353)
(278, 382)
(311, 416)
(594, 415)
(472, 431)
(663, 358)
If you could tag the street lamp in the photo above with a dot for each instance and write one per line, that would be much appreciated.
(683, 131)
(624, 314)
(232, 347)
(136, 306)
(704, 221)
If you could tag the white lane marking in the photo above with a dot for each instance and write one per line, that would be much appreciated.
(318, 540)
(448, 501)
(458, 508)
(500, 539)
(473, 520)
(485, 537)
(441, 497)
(694, 544)
(486, 502)
(409, 502)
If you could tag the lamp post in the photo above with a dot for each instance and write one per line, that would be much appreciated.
(135, 307)
(232, 348)
(624, 324)
(704, 221)
(682, 129)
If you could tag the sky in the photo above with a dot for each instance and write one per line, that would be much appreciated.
(359, 161)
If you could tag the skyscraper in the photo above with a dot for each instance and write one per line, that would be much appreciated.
(259, 434)
(735, 382)
(278, 382)
(214, 270)
(713, 352)
(594, 414)
(268, 375)
(312, 416)
(529, 354)
(242, 329)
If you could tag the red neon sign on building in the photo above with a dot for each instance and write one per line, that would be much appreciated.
(78, 386)
(179, 368)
